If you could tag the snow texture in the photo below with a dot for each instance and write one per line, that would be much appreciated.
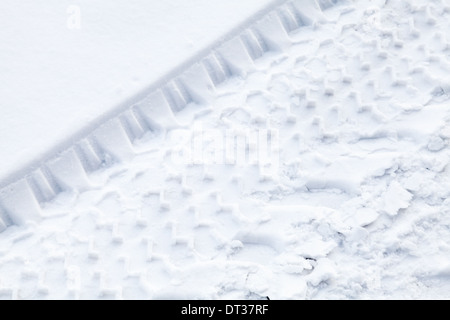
(349, 199)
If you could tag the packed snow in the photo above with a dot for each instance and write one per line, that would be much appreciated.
(304, 157)
(68, 65)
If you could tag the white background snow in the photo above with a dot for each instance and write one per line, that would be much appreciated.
(354, 96)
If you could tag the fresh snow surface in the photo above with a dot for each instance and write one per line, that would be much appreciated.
(350, 202)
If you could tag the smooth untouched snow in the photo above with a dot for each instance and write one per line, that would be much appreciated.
(58, 79)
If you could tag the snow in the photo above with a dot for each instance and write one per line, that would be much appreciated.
(304, 156)
(81, 75)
